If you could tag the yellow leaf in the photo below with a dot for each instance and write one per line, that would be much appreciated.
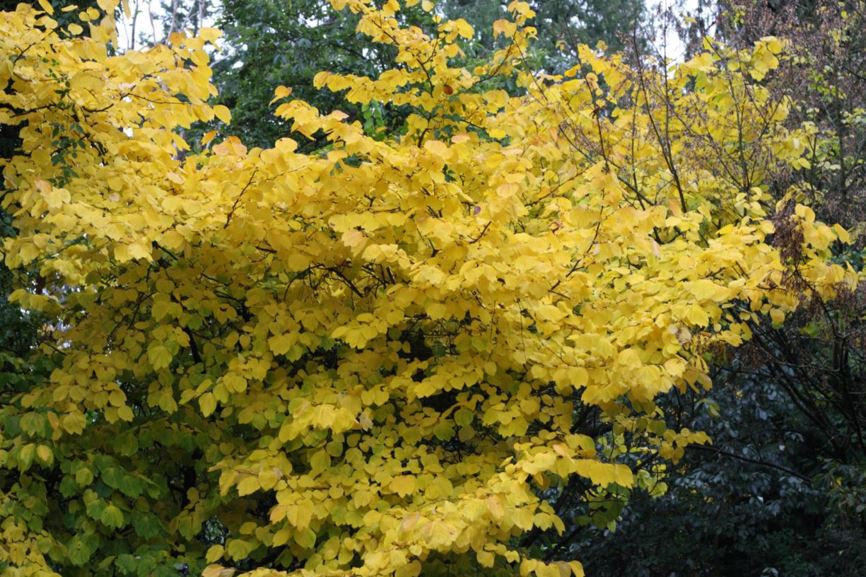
(463, 28)
(280, 344)
(248, 485)
(485, 558)
(412, 569)
(44, 454)
(125, 413)
(54, 197)
(403, 485)
(280, 93)
(222, 113)
(231, 146)
(777, 316)
(268, 478)
(218, 571)
(320, 461)
(207, 404)
(207, 137)
(214, 553)
(439, 149)
(494, 505)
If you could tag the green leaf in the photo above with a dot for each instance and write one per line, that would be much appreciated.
(112, 517)
(93, 505)
(463, 417)
(25, 456)
(35, 425)
(187, 526)
(306, 538)
(80, 549)
(146, 525)
(239, 549)
(83, 476)
(113, 477)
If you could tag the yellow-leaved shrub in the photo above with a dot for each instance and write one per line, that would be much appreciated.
(397, 352)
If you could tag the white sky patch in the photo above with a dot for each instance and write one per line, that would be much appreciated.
(143, 22)
(144, 26)
(669, 42)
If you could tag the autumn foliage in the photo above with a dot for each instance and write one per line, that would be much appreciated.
(396, 354)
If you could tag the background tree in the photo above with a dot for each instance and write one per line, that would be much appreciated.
(268, 43)
(562, 26)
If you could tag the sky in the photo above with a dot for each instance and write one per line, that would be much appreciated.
(675, 47)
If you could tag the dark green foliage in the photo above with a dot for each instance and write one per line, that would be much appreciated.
(269, 43)
(17, 332)
(758, 502)
(561, 24)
